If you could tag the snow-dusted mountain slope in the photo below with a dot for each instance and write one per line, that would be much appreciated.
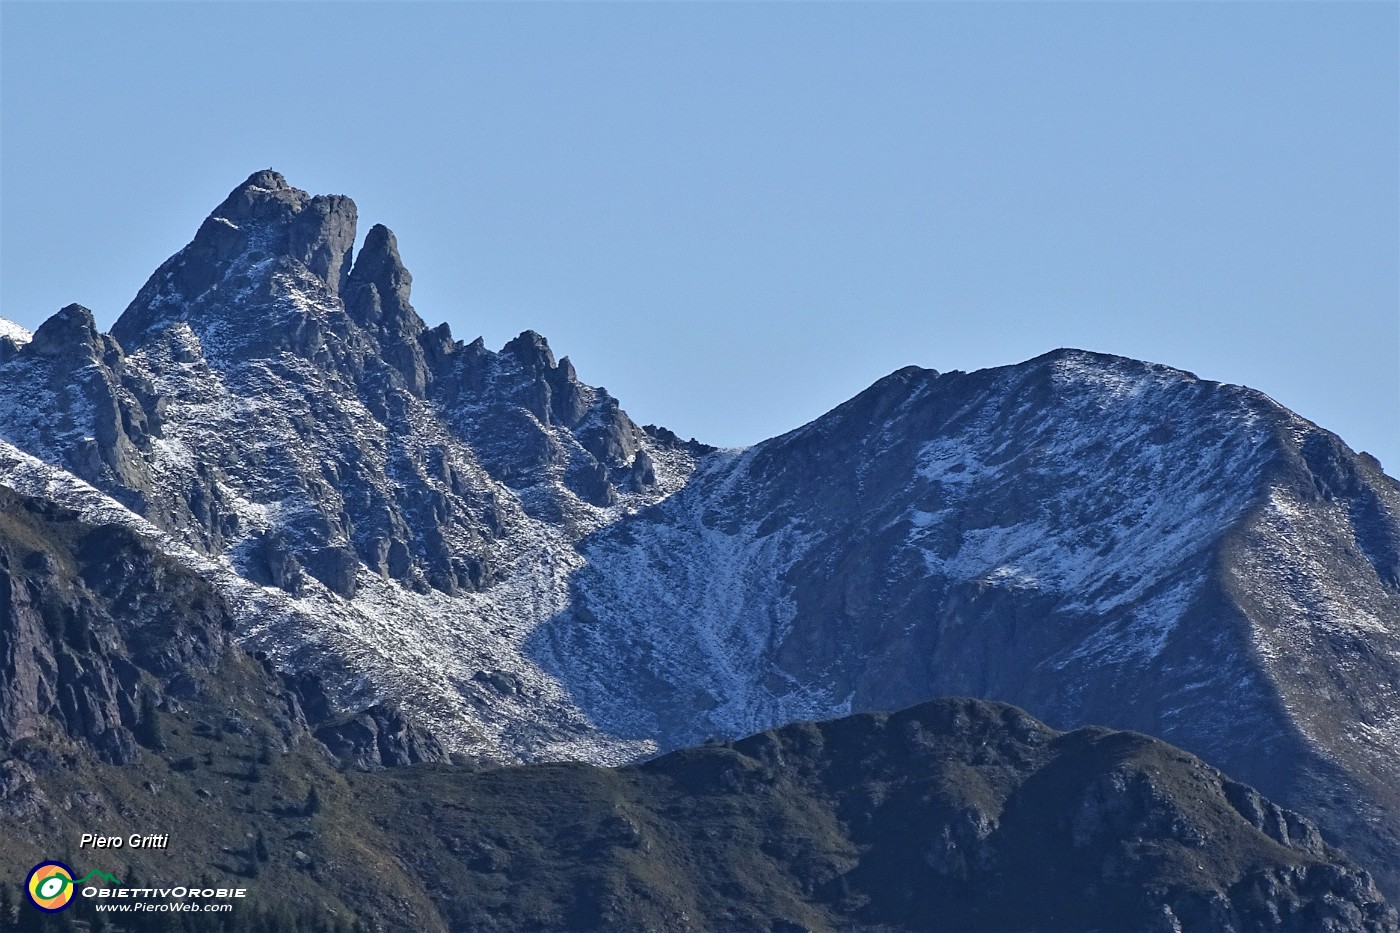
(287, 425)
(1095, 538)
(495, 545)
(17, 335)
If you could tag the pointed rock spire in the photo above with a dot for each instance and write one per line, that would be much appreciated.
(376, 297)
(379, 285)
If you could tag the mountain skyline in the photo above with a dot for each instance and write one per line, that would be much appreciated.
(743, 467)
(497, 547)
(708, 205)
(1385, 448)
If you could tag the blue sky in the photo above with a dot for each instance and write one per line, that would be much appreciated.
(735, 216)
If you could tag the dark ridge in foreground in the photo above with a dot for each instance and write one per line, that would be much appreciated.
(954, 815)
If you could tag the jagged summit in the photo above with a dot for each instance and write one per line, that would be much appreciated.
(273, 270)
(266, 368)
(530, 349)
(263, 230)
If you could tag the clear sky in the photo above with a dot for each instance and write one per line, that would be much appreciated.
(735, 216)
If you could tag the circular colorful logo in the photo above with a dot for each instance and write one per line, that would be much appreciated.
(50, 886)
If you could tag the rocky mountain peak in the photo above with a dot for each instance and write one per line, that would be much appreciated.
(267, 178)
(259, 195)
(532, 351)
(72, 332)
(263, 227)
(265, 211)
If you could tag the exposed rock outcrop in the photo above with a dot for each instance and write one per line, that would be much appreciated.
(100, 631)
(380, 737)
